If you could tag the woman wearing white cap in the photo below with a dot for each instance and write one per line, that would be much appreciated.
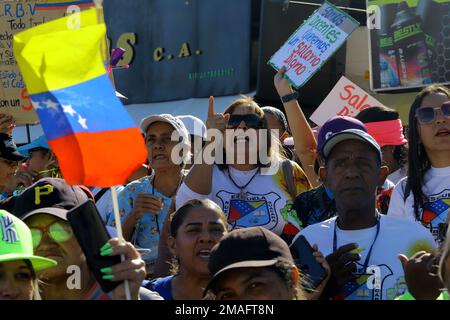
(18, 265)
(144, 203)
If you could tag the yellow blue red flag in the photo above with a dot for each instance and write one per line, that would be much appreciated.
(94, 138)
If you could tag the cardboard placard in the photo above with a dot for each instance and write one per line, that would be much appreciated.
(313, 43)
(346, 99)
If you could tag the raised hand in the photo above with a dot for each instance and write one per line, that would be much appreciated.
(131, 269)
(216, 120)
(281, 83)
(421, 275)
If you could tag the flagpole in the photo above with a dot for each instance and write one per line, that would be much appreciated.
(119, 234)
(98, 5)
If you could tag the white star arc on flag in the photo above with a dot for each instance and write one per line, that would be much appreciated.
(82, 122)
(51, 104)
(69, 109)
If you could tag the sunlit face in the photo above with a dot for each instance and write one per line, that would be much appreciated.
(261, 283)
(389, 159)
(65, 253)
(159, 145)
(16, 281)
(435, 136)
(7, 170)
(352, 173)
(241, 140)
(38, 160)
(201, 229)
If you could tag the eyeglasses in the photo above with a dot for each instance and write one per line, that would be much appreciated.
(251, 121)
(427, 115)
(58, 232)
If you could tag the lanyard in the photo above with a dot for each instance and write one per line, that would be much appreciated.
(366, 262)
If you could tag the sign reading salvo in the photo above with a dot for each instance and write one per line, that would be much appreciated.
(346, 99)
(313, 43)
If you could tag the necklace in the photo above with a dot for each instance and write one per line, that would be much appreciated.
(242, 193)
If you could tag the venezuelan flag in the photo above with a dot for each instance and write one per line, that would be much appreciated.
(94, 138)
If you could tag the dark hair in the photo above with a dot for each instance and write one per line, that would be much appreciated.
(418, 161)
(249, 102)
(376, 114)
(382, 113)
(277, 113)
(30, 267)
(177, 218)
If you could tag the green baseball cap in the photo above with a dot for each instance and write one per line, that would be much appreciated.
(16, 242)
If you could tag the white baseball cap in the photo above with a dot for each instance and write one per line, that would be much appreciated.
(177, 124)
(194, 125)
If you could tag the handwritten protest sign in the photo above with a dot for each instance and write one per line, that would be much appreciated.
(17, 16)
(346, 99)
(313, 43)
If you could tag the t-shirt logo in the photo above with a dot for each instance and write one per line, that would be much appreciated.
(255, 210)
(435, 212)
(8, 230)
(359, 289)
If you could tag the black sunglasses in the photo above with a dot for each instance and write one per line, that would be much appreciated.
(252, 121)
(427, 115)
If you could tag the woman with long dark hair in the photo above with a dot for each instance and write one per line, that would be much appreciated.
(425, 194)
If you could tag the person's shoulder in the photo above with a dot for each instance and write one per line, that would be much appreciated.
(146, 294)
(400, 187)
(160, 282)
(133, 185)
(400, 224)
(320, 227)
(317, 231)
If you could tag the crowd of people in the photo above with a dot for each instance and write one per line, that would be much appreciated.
(369, 194)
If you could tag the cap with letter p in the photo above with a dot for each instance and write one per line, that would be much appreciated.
(51, 196)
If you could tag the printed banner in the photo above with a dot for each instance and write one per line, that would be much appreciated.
(346, 99)
(313, 43)
(409, 43)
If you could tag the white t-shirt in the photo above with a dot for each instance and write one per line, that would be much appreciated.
(398, 175)
(395, 236)
(267, 200)
(436, 205)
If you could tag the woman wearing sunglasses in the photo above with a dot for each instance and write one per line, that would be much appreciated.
(18, 264)
(425, 194)
(248, 182)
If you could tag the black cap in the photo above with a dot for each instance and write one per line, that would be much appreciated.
(51, 196)
(8, 149)
(249, 247)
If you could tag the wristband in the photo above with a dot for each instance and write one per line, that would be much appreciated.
(289, 97)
